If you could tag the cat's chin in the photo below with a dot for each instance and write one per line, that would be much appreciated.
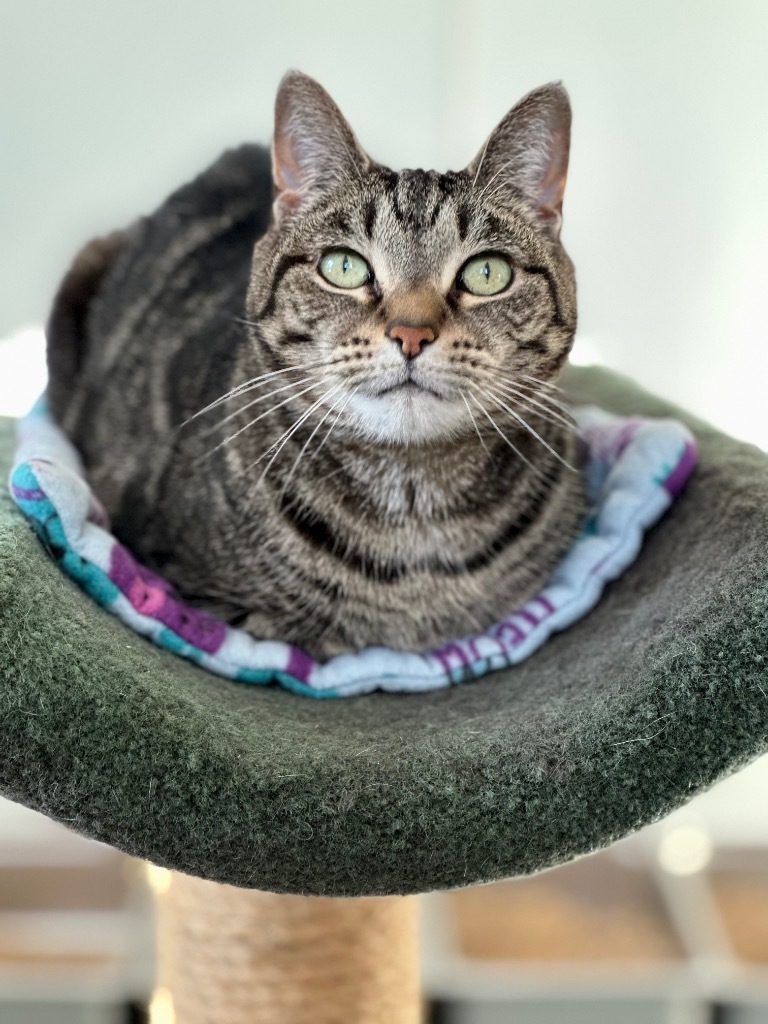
(407, 414)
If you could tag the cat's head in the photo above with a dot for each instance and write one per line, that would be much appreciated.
(415, 301)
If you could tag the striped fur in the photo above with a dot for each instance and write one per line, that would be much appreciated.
(401, 515)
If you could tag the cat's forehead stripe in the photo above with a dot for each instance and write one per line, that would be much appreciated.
(463, 218)
(424, 195)
(415, 197)
(370, 217)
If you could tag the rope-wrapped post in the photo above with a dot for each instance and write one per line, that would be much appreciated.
(242, 956)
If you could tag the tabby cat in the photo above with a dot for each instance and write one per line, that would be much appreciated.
(317, 394)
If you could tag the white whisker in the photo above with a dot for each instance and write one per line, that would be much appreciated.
(546, 412)
(485, 195)
(332, 427)
(486, 187)
(306, 444)
(255, 401)
(501, 433)
(248, 385)
(479, 166)
(474, 422)
(281, 442)
(544, 396)
(523, 423)
(267, 412)
(543, 383)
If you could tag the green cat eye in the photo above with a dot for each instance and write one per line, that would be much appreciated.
(485, 275)
(344, 268)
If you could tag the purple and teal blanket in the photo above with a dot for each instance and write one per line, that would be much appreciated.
(634, 469)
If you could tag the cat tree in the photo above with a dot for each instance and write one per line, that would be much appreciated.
(652, 697)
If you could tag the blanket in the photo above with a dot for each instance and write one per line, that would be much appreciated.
(634, 468)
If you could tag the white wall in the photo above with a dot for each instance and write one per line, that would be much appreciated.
(104, 107)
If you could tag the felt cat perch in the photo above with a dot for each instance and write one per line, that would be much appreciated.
(660, 691)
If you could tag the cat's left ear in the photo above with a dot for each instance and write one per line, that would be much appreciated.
(526, 155)
(313, 147)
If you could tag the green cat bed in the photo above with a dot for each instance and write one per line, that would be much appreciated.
(657, 693)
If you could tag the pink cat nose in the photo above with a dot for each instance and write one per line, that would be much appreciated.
(411, 338)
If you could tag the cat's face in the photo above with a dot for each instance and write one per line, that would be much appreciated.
(414, 304)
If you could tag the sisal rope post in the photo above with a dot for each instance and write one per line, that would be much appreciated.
(239, 956)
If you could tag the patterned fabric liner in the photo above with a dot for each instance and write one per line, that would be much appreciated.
(634, 469)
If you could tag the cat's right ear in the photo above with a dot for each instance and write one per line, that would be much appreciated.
(313, 147)
(526, 156)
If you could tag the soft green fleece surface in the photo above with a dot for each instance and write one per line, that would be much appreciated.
(657, 693)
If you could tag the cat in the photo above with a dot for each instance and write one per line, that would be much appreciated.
(317, 395)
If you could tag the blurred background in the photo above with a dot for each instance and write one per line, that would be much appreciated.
(106, 107)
